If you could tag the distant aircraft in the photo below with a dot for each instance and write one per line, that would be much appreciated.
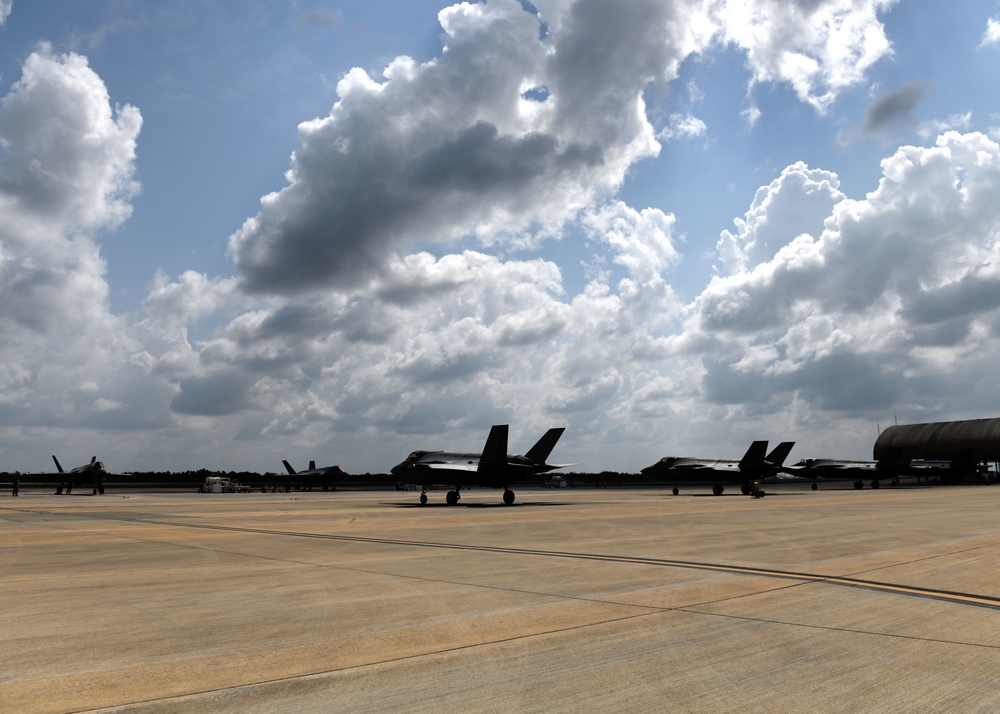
(944, 471)
(328, 476)
(890, 466)
(494, 467)
(755, 466)
(93, 474)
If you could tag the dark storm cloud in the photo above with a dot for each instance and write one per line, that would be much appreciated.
(336, 227)
(479, 160)
(967, 297)
(841, 382)
(213, 395)
(605, 55)
(433, 369)
(894, 109)
(293, 321)
(724, 385)
(847, 382)
(450, 148)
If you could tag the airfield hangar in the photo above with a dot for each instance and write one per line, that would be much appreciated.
(946, 440)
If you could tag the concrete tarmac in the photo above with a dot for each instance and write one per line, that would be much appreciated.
(569, 600)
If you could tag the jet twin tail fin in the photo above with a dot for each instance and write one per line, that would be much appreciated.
(495, 452)
(59, 467)
(780, 453)
(755, 456)
(289, 467)
(541, 450)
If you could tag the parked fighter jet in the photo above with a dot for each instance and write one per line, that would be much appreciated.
(944, 471)
(889, 467)
(494, 467)
(328, 476)
(92, 474)
(753, 468)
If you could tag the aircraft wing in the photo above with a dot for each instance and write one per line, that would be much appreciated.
(710, 468)
(450, 467)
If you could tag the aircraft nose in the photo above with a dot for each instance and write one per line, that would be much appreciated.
(398, 469)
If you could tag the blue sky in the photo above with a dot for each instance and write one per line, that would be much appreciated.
(239, 232)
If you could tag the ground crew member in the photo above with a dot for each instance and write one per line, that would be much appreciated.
(17, 485)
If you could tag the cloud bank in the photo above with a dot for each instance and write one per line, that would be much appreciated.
(389, 289)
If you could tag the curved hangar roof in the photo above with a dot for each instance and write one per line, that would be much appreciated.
(943, 440)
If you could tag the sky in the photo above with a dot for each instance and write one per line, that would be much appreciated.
(236, 232)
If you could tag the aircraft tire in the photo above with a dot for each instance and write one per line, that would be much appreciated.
(745, 489)
(858, 485)
(876, 484)
(451, 498)
(423, 499)
(718, 489)
(508, 496)
(815, 487)
(676, 490)
(100, 490)
(94, 493)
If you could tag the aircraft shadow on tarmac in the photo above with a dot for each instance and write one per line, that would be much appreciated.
(529, 504)
(736, 494)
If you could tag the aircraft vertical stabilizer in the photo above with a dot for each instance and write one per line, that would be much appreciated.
(780, 453)
(541, 450)
(754, 457)
(495, 452)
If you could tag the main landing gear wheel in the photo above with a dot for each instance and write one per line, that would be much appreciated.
(508, 496)
(676, 490)
(745, 489)
(876, 484)
(423, 499)
(814, 487)
(717, 489)
(858, 485)
(451, 498)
